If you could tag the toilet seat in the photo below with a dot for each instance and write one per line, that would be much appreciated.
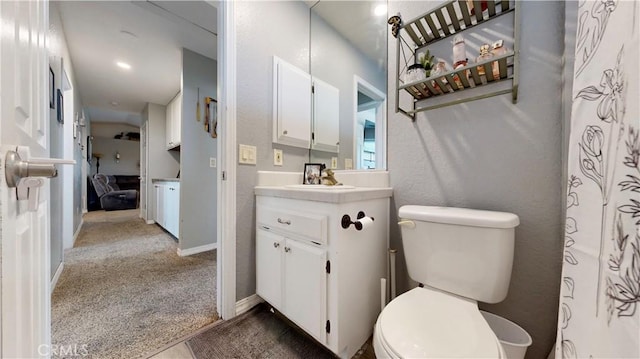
(428, 323)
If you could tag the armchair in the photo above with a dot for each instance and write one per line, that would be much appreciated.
(111, 197)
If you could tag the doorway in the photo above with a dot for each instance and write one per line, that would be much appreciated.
(370, 130)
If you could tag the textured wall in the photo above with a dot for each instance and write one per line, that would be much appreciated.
(493, 155)
(264, 29)
(198, 186)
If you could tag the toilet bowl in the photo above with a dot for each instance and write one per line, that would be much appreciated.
(428, 323)
(462, 256)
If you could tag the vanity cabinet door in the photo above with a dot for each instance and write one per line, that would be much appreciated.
(305, 283)
(291, 105)
(269, 249)
(326, 117)
(159, 215)
(172, 209)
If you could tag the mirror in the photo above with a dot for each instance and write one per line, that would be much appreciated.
(348, 56)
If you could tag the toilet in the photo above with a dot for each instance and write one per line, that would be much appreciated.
(461, 256)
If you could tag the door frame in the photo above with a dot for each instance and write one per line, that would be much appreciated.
(226, 171)
(361, 85)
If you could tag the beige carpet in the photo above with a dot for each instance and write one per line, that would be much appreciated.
(124, 292)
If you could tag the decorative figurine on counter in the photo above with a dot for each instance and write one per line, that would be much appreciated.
(329, 179)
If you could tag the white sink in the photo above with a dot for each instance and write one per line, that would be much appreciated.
(317, 186)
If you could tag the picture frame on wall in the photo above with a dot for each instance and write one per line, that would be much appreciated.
(60, 112)
(312, 173)
(52, 89)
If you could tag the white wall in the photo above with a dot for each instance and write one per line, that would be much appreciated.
(198, 182)
(491, 154)
(66, 190)
(129, 163)
(264, 29)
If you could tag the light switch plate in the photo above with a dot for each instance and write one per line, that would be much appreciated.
(348, 164)
(277, 157)
(334, 163)
(247, 155)
(212, 162)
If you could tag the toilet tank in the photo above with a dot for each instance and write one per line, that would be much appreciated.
(462, 251)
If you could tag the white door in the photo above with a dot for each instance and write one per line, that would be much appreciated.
(305, 287)
(143, 172)
(24, 109)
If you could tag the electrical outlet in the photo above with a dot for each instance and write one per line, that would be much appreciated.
(247, 155)
(348, 164)
(334, 163)
(277, 157)
(212, 162)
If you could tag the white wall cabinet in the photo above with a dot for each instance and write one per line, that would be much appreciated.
(291, 105)
(324, 278)
(167, 213)
(174, 122)
(326, 117)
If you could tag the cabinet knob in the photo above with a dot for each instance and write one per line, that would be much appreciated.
(287, 249)
(276, 244)
(281, 221)
(285, 132)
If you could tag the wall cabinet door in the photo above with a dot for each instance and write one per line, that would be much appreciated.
(291, 105)
(326, 117)
(305, 286)
(269, 249)
(173, 122)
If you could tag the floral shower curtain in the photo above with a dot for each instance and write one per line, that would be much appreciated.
(599, 314)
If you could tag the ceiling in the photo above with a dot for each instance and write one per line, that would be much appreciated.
(356, 21)
(149, 36)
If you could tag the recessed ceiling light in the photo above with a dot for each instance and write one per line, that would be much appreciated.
(123, 65)
(380, 10)
(114, 104)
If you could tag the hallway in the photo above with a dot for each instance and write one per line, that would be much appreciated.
(124, 292)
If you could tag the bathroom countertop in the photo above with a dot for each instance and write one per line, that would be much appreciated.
(154, 180)
(325, 195)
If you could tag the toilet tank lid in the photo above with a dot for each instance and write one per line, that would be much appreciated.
(459, 216)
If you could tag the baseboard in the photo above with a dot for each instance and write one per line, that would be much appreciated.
(245, 304)
(150, 221)
(75, 235)
(196, 250)
(56, 276)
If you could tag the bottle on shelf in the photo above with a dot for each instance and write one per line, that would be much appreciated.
(485, 54)
(459, 52)
(497, 50)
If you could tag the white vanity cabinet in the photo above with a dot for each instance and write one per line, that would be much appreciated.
(167, 211)
(324, 278)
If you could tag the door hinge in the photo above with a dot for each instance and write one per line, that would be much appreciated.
(328, 327)
(313, 89)
(313, 136)
(328, 267)
(224, 175)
